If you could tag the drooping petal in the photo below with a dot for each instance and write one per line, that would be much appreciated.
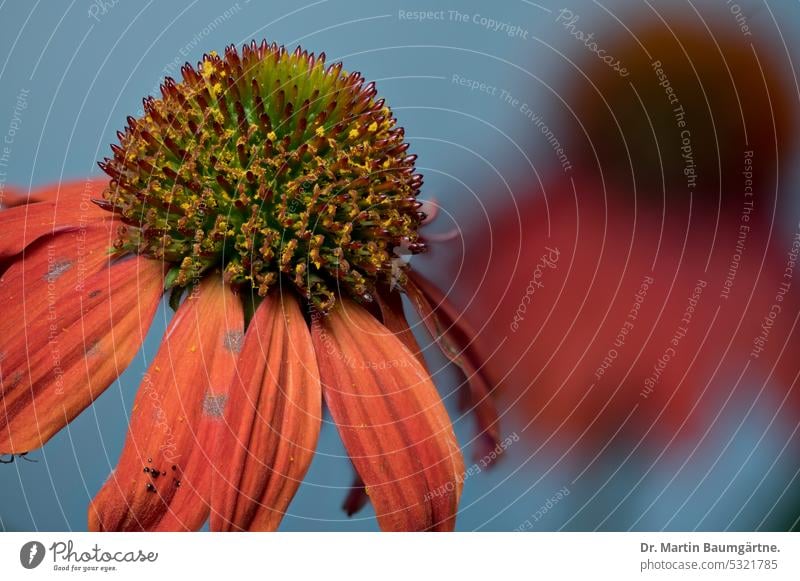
(72, 322)
(394, 319)
(273, 419)
(391, 419)
(391, 309)
(163, 477)
(70, 192)
(25, 224)
(456, 341)
(10, 197)
(356, 498)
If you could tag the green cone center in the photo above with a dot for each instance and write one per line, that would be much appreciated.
(267, 165)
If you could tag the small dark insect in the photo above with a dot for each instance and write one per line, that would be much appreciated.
(12, 457)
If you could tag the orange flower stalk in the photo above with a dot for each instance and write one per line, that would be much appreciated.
(266, 193)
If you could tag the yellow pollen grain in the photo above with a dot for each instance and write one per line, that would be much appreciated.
(353, 133)
(373, 127)
(271, 136)
(217, 88)
(208, 68)
(387, 163)
(320, 131)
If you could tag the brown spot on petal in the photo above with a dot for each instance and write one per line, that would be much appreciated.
(93, 349)
(56, 269)
(214, 404)
(16, 379)
(233, 341)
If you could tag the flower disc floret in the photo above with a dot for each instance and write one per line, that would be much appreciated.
(270, 167)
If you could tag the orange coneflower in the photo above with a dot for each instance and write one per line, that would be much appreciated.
(266, 193)
(619, 322)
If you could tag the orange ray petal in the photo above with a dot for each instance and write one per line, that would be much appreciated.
(22, 225)
(42, 282)
(74, 321)
(456, 341)
(394, 319)
(69, 192)
(10, 197)
(163, 477)
(391, 419)
(273, 418)
(356, 498)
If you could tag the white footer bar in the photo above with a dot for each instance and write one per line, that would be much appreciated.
(410, 557)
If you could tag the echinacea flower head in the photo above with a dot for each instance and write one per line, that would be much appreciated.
(267, 193)
(265, 165)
